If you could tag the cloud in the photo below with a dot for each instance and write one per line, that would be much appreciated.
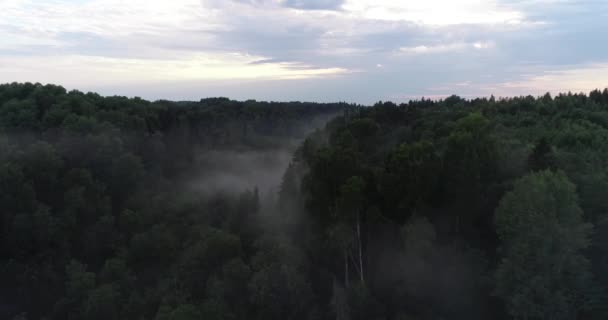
(442, 48)
(535, 80)
(112, 40)
(432, 49)
(575, 78)
(90, 70)
(483, 45)
(101, 17)
(435, 12)
(314, 4)
(294, 49)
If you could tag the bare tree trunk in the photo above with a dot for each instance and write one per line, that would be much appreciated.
(339, 302)
(346, 284)
(360, 248)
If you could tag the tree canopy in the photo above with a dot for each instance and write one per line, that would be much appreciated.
(122, 208)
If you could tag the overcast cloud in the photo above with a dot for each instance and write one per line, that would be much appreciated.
(320, 50)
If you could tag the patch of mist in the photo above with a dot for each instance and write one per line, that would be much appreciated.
(232, 171)
(237, 170)
(440, 277)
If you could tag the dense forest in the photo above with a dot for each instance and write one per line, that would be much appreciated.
(122, 208)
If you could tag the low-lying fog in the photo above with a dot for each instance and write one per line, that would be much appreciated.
(238, 171)
(244, 169)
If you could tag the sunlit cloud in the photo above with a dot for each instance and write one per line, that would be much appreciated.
(574, 79)
(537, 82)
(148, 39)
(432, 49)
(74, 70)
(442, 48)
(435, 12)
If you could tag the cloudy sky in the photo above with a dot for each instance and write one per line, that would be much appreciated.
(317, 50)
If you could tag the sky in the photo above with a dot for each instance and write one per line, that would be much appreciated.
(359, 51)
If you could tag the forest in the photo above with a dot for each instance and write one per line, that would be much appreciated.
(122, 208)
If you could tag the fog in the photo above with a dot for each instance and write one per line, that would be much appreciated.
(239, 171)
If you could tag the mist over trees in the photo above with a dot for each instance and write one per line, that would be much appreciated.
(117, 208)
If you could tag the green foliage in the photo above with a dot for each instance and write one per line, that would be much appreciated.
(389, 212)
(441, 168)
(181, 312)
(542, 157)
(543, 273)
(410, 176)
(279, 288)
(98, 220)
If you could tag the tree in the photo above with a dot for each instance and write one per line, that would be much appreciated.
(181, 312)
(470, 167)
(350, 204)
(542, 156)
(543, 273)
(410, 176)
(127, 171)
(339, 302)
(279, 287)
(79, 284)
(103, 303)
